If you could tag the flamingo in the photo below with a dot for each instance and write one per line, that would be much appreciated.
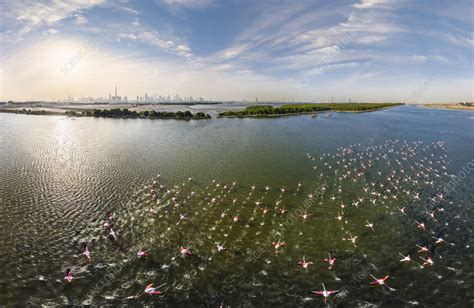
(220, 247)
(112, 234)
(325, 293)
(185, 251)
(427, 262)
(68, 277)
(142, 253)
(439, 240)
(149, 289)
(406, 258)
(352, 239)
(381, 282)
(86, 252)
(422, 248)
(421, 225)
(305, 264)
(330, 261)
(305, 215)
(278, 245)
(370, 225)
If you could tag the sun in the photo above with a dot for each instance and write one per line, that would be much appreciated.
(67, 57)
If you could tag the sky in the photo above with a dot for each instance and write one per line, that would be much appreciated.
(411, 51)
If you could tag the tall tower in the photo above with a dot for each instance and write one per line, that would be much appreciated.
(115, 97)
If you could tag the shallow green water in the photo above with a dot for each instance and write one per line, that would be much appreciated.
(60, 176)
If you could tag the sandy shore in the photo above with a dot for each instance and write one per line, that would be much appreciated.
(449, 106)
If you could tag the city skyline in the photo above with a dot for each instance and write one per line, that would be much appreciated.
(145, 98)
(175, 98)
(367, 50)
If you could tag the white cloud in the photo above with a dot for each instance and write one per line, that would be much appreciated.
(49, 31)
(299, 37)
(80, 20)
(418, 58)
(21, 17)
(37, 13)
(188, 3)
(458, 39)
(232, 52)
(324, 68)
(128, 10)
(366, 4)
(122, 32)
(370, 39)
(183, 48)
(154, 38)
(441, 59)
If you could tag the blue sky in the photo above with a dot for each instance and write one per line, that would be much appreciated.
(366, 50)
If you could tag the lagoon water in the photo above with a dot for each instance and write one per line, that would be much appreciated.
(59, 177)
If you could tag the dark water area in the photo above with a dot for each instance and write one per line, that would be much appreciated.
(358, 186)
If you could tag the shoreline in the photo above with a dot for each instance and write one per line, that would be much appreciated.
(447, 106)
(302, 113)
(77, 115)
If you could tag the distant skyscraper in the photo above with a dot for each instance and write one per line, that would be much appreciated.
(115, 91)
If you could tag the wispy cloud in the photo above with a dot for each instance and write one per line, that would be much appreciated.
(367, 4)
(299, 37)
(36, 13)
(154, 38)
(247, 48)
(188, 3)
(22, 17)
(459, 39)
(80, 20)
(128, 10)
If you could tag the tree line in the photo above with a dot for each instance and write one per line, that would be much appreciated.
(266, 110)
(149, 114)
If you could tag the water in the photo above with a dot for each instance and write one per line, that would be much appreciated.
(60, 176)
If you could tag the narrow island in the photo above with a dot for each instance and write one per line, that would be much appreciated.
(147, 114)
(119, 113)
(295, 109)
(456, 106)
